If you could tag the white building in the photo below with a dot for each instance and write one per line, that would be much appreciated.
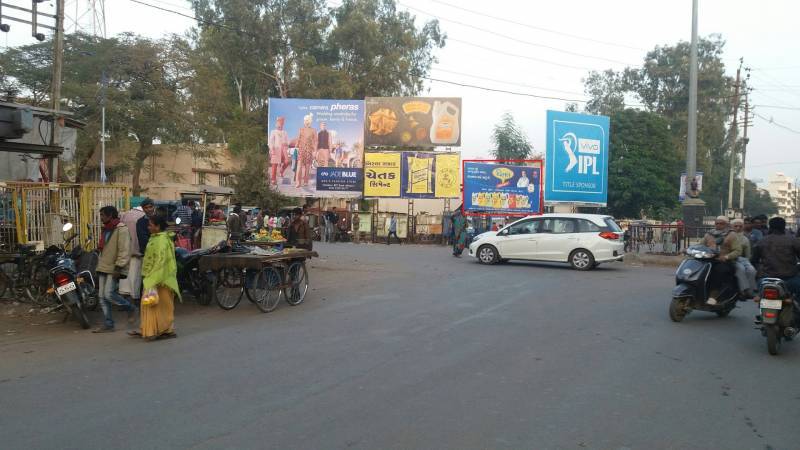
(783, 191)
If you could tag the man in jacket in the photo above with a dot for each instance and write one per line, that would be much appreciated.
(724, 240)
(777, 255)
(745, 272)
(132, 285)
(114, 246)
(235, 224)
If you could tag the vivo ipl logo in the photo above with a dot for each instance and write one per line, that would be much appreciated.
(587, 151)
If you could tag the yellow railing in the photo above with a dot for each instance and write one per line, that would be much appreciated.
(35, 212)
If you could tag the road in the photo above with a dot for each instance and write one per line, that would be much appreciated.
(407, 347)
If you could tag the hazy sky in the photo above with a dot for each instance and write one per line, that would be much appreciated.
(551, 47)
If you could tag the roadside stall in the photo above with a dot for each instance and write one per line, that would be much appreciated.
(213, 231)
(263, 276)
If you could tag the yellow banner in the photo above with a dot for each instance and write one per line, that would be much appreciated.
(448, 182)
(420, 175)
(382, 174)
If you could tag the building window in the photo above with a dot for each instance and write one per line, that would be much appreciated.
(225, 180)
(201, 178)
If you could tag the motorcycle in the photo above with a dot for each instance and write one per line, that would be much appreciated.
(692, 286)
(189, 276)
(71, 288)
(777, 307)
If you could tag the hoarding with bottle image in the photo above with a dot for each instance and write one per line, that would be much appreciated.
(498, 188)
(430, 175)
(412, 122)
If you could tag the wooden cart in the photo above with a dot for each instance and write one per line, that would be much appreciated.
(262, 279)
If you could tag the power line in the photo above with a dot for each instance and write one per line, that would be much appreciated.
(512, 83)
(533, 27)
(790, 108)
(512, 38)
(198, 19)
(517, 55)
(770, 120)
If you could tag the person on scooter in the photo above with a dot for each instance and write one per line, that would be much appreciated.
(745, 272)
(726, 242)
(777, 255)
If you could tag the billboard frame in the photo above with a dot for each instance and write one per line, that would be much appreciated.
(505, 161)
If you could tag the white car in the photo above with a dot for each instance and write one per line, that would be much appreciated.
(582, 240)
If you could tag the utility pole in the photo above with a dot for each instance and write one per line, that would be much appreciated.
(745, 140)
(58, 62)
(735, 132)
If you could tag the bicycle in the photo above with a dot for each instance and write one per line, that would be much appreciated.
(29, 278)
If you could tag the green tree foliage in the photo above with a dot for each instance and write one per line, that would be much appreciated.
(510, 142)
(250, 188)
(643, 168)
(662, 86)
(756, 201)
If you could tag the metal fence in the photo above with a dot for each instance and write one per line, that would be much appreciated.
(669, 239)
(35, 212)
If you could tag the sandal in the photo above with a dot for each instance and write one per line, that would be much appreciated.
(134, 333)
(168, 336)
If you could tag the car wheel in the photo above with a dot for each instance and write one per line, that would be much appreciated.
(581, 259)
(487, 254)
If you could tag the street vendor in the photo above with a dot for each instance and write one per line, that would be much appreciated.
(235, 224)
(298, 235)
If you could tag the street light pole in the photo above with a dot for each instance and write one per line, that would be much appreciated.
(693, 207)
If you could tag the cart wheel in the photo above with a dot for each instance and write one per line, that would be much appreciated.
(228, 288)
(297, 278)
(266, 290)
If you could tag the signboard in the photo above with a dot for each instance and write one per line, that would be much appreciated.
(682, 192)
(412, 175)
(382, 174)
(502, 189)
(308, 135)
(577, 158)
(339, 179)
(412, 122)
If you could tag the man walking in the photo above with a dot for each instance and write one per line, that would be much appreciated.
(392, 230)
(356, 225)
(114, 249)
(132, 285)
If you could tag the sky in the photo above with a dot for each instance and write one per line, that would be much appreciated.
(546, 49)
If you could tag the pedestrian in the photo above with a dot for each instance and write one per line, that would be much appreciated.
(132, 285)
(751, 232)
(392, 230)
(235, 225)
(356, 225)
(160, 282)
(459, 232)
(343, 226)
(298, 235)
(333, 220)
(114, 247)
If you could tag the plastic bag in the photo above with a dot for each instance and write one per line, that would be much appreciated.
(151, 298)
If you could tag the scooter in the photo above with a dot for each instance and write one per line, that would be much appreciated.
(692, 286)
(70, 287)
(777, 313)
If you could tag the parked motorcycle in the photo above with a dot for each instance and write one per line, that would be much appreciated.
(71, 288)
(692, 286)
(189, 276)
(777, 313)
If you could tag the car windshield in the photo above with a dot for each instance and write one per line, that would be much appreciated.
(612, 225)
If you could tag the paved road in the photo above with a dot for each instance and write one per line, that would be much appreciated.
(407, 347)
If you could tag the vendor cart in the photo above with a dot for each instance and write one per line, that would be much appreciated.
(262, 278)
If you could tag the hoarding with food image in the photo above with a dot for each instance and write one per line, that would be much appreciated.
(502, 189)
(412, 122)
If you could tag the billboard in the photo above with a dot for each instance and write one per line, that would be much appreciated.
(412, 121)
(494, 188)
(577, 158)
(412, 175)
(382, 174)
(316, 147)
(699, 185)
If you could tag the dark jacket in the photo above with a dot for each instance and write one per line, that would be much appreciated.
(776, 256)
(235, 227)
(142, 233)
(299, 235)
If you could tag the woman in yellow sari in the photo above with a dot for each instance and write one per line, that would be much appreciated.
(159, 272)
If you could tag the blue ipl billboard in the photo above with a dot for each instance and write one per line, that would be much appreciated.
(577, 158)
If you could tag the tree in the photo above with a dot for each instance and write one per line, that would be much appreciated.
(249, 186)
(662, 86)
(509, 140)
(643, 168)
(756, 201)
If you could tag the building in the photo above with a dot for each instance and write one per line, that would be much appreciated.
(783, 191)
(174, 171)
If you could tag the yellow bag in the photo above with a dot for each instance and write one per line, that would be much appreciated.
(151, 298)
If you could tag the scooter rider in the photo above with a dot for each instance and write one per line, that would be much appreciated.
(724, 240)
(777, 255)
